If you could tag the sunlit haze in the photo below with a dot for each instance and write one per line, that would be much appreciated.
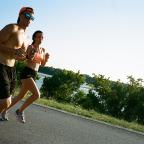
(94, 36)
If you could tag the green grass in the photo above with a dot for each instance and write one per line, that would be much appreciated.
(91, 114)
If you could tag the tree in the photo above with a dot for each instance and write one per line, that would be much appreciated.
(134, 101)
(62, 85)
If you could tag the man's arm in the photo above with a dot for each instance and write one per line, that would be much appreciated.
(5, 34)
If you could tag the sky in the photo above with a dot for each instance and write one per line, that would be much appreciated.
(91, 36)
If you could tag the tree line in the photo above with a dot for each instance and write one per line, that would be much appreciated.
(114, 98)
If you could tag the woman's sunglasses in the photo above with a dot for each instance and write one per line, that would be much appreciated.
(29, 16)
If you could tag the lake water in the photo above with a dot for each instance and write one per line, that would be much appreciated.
(39, 83)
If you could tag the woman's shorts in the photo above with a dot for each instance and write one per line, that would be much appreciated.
(7, 81)
(28, 73)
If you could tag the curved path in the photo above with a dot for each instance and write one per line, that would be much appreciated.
(48, 126)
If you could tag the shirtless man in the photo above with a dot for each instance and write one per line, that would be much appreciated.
(12, 47)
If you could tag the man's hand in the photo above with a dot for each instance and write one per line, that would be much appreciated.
(20, 54)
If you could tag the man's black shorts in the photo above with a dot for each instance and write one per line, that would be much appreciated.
(7, 81)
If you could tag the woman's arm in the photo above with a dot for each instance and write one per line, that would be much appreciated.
(45, 59)
(30, 52)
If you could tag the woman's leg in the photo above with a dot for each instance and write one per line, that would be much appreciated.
(23, 90)
(35, 94)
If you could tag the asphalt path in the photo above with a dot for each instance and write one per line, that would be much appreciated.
(49, 126)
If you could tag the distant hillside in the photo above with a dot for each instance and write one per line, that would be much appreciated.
(49, 70)
(53, 71)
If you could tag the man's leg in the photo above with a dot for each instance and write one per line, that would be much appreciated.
(5, 100)
(7, 85)
(5, 103)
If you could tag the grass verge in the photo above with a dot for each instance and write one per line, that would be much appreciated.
(91, 114)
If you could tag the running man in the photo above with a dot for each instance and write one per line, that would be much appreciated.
(12, 47)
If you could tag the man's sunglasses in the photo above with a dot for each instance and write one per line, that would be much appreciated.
(29, 16)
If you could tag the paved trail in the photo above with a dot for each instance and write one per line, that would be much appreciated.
(48, 126)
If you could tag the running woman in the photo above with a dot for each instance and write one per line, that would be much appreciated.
(36, 57)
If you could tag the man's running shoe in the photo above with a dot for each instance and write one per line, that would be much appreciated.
(4, 116)
(20, 116)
